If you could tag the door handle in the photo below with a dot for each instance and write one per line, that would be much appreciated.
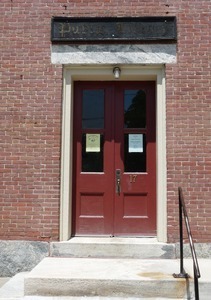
(118, 181)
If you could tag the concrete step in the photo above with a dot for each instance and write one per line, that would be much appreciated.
(13, 289)
(90, 298)
(96, 277)
(144, 248)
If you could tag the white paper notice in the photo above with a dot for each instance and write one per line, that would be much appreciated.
(92, 142)
(136, 143)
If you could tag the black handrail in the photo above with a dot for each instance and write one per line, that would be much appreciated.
(183, 274)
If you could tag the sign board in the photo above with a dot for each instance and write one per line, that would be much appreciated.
(66, 29)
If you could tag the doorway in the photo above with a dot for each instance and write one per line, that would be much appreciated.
(114, 150)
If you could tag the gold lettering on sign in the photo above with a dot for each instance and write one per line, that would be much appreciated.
(133, 178)
(64, 28)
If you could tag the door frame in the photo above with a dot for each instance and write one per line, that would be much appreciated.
(105, 73)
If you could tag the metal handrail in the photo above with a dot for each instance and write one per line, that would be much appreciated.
(183, 274)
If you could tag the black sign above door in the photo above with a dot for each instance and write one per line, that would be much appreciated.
(65, 29)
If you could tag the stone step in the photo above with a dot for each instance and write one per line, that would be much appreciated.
(97, 277)
(144, 248)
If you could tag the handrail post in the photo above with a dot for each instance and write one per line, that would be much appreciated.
(181, 236)
(196, 284)
(182, 273)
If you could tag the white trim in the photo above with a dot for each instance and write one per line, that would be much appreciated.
(66, 158)
(161, 175)
(128, 72)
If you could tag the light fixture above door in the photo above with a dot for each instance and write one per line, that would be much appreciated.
(116, 72)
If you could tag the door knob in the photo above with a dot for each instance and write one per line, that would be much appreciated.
(118, 181)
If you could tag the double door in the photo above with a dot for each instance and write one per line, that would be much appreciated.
(114, 186)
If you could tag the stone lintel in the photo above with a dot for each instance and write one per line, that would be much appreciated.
(113, 54)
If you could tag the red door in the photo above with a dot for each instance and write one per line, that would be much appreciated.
(114, 191)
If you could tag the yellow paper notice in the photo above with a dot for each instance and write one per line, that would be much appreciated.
(92, 142)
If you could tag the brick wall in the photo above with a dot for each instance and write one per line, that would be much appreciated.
(31, 93)
(188, 120)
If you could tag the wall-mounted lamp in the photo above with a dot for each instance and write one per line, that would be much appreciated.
(116, 72)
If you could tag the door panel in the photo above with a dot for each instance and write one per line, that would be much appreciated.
(135, 207)
(114, 159)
